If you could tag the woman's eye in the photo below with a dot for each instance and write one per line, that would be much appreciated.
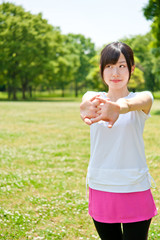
(108, 66)
(122, 66)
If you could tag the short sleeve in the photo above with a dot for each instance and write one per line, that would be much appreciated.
(150, 94)
(143, 114)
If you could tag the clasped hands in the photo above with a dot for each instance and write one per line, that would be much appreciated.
(97, 109)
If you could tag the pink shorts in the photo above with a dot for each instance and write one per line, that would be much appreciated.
(110, 207)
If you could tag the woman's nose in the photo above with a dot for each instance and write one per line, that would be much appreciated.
(115, 71)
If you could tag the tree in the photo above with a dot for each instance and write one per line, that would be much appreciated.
(142, 51)
(94, 80)
(85, 50)
(156, 72)
(152, 12)
(26, 44)
(137, 78)
(68, 63)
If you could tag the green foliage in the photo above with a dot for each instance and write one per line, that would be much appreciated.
(85, 51)
(136, 81)
(152, 12)
(94, 79)
(68, 59)
(26, 41)
(156, 71)
(141, 45)
(34, 54)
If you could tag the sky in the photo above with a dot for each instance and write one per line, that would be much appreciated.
(103, 21)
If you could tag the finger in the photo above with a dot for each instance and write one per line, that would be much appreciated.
(93, 114)
(82, 117)
(110, 124)
(92, 99)
(97, 119)
(99, 112)
(102, 100)
(87, 121)
(105, 99)
(99, 107)
(96, 103)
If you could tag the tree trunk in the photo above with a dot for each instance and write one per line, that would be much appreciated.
(30, 91)
(62, 92)
(24, 87)
(14, 94)
(23, 93)
(9, 94)
(8, 90)
(13, 86)
(76, 89)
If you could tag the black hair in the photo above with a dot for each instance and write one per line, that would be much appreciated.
(111, 53)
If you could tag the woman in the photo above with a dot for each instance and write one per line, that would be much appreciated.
(120, 200)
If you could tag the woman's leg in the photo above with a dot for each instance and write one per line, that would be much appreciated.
(136, 230)
(109, 231)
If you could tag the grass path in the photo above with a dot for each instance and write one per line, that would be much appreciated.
(44, 153)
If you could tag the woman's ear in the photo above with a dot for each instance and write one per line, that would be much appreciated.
(132, 69)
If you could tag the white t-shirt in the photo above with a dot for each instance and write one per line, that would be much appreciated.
(117, 161)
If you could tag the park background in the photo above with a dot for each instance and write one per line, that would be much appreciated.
(44, 145)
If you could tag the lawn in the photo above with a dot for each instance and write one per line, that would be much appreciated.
(44, 153)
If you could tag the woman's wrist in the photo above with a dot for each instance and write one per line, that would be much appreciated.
(124, 105)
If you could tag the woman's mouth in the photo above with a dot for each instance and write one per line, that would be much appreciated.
(115, 80)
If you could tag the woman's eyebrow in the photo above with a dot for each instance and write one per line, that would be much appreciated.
(122, 62)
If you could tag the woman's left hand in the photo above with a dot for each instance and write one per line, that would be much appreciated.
(108, 111)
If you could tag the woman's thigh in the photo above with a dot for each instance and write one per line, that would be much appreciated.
(109, 231)
(136, 230)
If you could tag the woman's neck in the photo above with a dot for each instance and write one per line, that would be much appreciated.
(114, 95)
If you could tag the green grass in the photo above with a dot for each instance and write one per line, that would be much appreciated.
(157, 95)
(44, 153)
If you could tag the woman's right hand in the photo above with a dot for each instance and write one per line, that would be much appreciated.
(89, 109)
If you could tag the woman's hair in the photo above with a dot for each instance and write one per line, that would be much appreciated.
(111, 53)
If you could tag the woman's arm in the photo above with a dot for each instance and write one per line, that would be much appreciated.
(141, 102)
(109, 111)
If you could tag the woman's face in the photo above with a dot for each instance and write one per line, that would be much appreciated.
(116, 75)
